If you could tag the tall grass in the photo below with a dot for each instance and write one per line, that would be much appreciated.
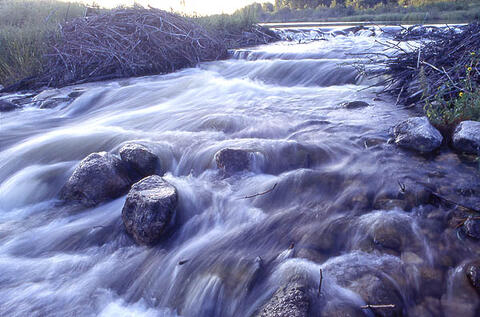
(24, 27)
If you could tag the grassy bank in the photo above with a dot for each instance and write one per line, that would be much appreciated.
(24, 26)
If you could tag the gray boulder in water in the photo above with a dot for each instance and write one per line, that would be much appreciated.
(140, 160)
(149, 209)
(288, 301)
(355, 104)
(417, 134)
(99, 177)
(6, 106)
(232, 160)
(466, 137)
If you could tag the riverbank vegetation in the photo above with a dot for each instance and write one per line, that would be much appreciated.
(405, 11)
(55, 43)
(443, 75)
(24, 26)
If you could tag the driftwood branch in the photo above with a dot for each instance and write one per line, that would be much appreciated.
(377, 306)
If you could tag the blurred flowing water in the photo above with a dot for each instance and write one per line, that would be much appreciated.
(335, 170)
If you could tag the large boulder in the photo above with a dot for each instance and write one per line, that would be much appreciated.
(232, 160)
(466, 137)
(6, 106)
(417, 134)
(290, 300)
(140, 160)
(99, 177)
(149, 209)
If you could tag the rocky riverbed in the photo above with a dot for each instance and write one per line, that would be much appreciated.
(275, 183)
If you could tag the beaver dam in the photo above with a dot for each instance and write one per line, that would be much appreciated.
(265, 184)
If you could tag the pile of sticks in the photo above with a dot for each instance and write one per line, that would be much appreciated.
(441, 62)
(127, 42)
(255, 35)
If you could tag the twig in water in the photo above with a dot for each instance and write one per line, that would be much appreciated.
(96, 227)
(264, 193)
(378, 306)
(453, 202)
(403, 188)
(418, 59)
(320, 283)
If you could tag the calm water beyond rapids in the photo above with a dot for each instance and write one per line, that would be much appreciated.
(341, 204)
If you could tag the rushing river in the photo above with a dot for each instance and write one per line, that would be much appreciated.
(347, 203)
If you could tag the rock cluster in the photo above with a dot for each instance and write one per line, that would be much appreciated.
(151, 202)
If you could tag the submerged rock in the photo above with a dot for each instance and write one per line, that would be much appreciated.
(140, 160)
(288, 301)
(6, 106)
(472, 227)
(466, 137)
(473, 274)
(355, 104)
(379, 291)
(149, 209)
(99, 177)
(232, 160)
(417, 134)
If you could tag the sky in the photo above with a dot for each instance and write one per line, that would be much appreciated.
(191, 6)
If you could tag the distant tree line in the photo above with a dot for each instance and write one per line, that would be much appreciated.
(363, 10)
(357, 4)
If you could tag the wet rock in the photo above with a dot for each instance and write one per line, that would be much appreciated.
(411, 258)
(76, 93)
(388, 236)
(288, 301)
(431, 281)
(466, 137)
(417, 134)
(461, 299)
(53, 102)
(355, 104)
(140, 160)
(149, 209)
(232, 160)
(6, 106)
(430, 307)
(389, 204)
(375, 290)
(472, 227)
(473, 274)
(99, 177)
(333, 309)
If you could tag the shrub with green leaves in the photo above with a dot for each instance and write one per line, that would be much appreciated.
(456, 102)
